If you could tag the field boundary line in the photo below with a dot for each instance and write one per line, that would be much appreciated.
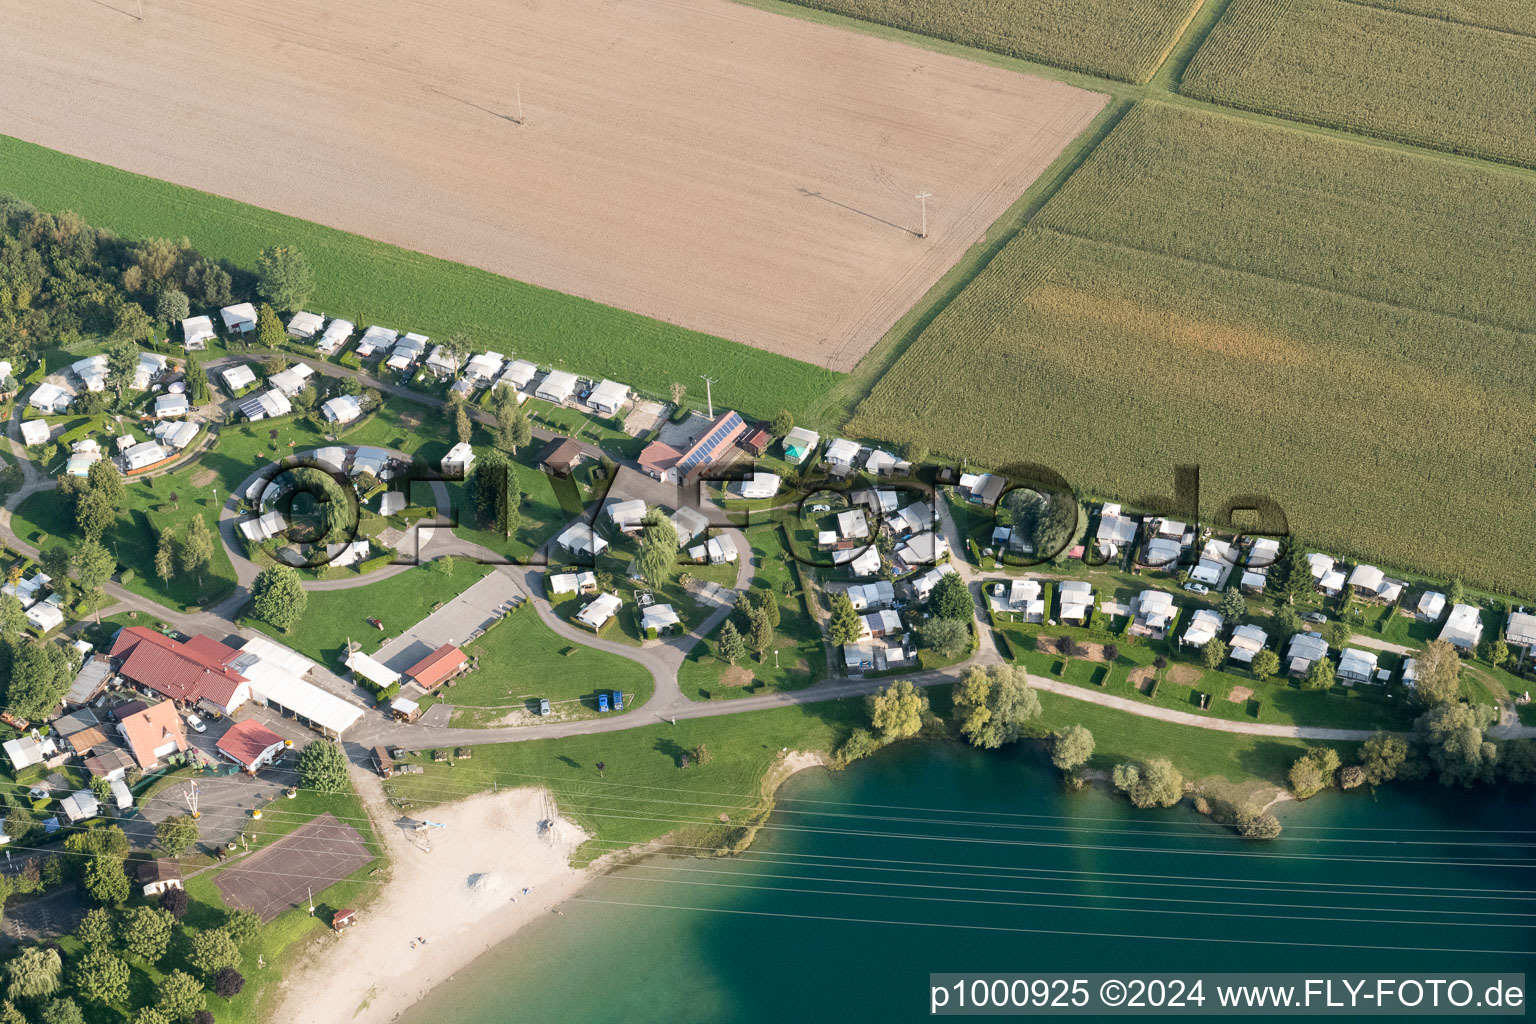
(1461, 22)
(1309, 285)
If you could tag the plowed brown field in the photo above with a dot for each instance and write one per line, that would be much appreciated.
(709, 164)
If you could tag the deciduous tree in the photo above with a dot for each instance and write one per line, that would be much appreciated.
(278, 596)
(994, 704)
(1072, 748)
(1453, 737)
(1319, 676)
(945, 637)
(105, 881)
(214, 949)
(284, 278)
(176, 833)
(196, 549)
(33, 973)
(180, 996)
(1439, 674)
(1265, 664)
(1213, 653)
(172, 306)
(658, 547)
(897, 711)
(148, 932)
(100, 977)
(1382, 756)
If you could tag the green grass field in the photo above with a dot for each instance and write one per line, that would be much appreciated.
(402, 600)
(1325, 322)
(43, 520)
(801, 657)
(370, 282)
(522, 660)
(1408, 77)
(1126, 41)
(644, 794)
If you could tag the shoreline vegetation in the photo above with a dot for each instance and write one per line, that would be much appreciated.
(1240, 782)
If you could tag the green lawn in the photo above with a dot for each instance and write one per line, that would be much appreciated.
(643, 793)
(617, 560)
(43, 520)
(370, 282)
(522, 660)
(1276, 700)
(801, 654)
(402, 600)
(1198, 753)
(542, 515)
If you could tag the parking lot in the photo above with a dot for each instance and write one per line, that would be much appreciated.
(454, 623)
(225, 801)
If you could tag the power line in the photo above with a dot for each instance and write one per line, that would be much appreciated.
(1065, 906)
(1056, 931)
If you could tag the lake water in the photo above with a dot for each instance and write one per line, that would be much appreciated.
(936, 857)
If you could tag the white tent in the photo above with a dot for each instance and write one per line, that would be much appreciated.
(376, 673)
(608, 397)
(341, 409)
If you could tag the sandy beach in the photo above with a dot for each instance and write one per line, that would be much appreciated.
(460, 888)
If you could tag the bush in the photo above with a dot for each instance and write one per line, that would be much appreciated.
(227, 982)
(1154, 784)
(1253, 823)
(860, 743)
(175, 901)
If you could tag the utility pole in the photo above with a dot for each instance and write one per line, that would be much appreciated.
(519, 104)
(709, 394)
(922, 198)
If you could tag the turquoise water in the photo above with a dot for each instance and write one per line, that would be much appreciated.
(935, 857)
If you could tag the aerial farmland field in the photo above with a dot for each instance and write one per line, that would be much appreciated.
(1126, 41)
(1327, 322)
(708, 164)
(1452, 85)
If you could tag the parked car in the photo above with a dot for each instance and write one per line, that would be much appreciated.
(1197, 588)
(618, 700)
(1314, 617)
(602, 702)
(543, 706)
(196, 723)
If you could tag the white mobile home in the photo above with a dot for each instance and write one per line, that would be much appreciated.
(608, 397)
(557, 386)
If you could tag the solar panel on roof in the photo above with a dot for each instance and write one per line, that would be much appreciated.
(711, 441)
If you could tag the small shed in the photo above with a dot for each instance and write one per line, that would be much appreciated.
(156, 876)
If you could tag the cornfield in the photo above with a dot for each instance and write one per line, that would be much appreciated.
(1122, 40)
(1423, 80)
(1206, 290)
(1374, 222)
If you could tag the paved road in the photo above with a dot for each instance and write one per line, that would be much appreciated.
(1378, 645)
